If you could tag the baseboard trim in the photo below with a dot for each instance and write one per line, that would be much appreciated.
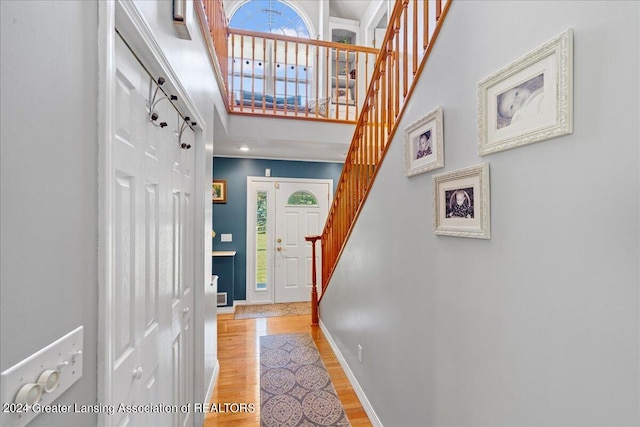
(232, 309)
(373, 417)
(212, 383)
(226, 310)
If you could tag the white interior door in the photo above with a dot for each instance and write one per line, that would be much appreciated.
(301, 210)
(136, 284)
(151, 259)
(182, 284)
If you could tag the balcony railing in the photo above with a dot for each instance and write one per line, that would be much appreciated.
(286, 76)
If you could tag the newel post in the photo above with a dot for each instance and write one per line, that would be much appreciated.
(314, 289)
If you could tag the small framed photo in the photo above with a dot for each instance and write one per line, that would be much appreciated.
(423, 144)
(529, 100)
(219, 191)
(461, 205)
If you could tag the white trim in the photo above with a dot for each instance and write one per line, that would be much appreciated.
(290, 159)
(106, 117)
(135, 30)
(372, 24)
(232, 309)
(227, 310)
(368, 408)
(212, 383)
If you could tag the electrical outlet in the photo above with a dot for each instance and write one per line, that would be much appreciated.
(359, 353)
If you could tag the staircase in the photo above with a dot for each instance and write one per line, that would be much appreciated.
(412, 31)
(411, 34)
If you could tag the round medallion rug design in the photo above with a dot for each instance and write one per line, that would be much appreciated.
(275, 358)
(312, 377)
(305, 355)
(295, 387)
(278, 381)
(281, 411)
(322, 407)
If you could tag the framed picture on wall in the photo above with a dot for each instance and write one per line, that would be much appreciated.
(529, 100)
(461, 203)
(423, 144)
(219, 191)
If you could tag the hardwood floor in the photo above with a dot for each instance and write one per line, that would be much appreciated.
(239, 379)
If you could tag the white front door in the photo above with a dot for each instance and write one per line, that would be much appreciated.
(301, 210)
(151, 257)
(281, 212)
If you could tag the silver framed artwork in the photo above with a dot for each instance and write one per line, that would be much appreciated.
(461, 205)
(423, 141)
(529, 100)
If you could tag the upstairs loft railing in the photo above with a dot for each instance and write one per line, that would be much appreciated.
(286, 76)
(411, 33)
(289, 76)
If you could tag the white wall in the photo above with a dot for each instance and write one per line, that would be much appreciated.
(49, 201)
(540, 324)
(49, 178)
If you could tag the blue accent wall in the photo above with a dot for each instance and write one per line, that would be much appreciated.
(231, 217)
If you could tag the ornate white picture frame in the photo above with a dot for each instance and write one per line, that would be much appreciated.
(529, 100)
(461, 203)
(423, 143)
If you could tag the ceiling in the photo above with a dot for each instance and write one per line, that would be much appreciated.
(286, 139)
(349, 9)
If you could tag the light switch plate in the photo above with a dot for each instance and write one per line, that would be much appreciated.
(63, 355)
(226, 237)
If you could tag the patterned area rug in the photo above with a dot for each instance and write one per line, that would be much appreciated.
(272, 310)
(295, 387)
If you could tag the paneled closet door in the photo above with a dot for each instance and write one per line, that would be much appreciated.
(182, 293)
(152, 252)
(135, 320)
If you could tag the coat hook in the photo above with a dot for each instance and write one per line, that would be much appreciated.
(183, 126)
(153, 116)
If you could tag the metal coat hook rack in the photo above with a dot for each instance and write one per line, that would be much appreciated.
(185, 124)
(153, 116)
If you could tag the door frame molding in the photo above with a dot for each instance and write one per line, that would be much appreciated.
(251, 225)
(123, 17)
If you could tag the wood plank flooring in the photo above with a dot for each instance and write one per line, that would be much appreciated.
(239, 379)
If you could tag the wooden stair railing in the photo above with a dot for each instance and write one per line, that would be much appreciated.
(411, 33)
(215, 30)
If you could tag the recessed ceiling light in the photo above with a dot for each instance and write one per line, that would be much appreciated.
(244, 148)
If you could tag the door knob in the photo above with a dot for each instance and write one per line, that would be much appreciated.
(185, 311)
(279, 248)
(279, 240)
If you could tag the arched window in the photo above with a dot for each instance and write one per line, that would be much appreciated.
(269, 16)
(302, 198)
